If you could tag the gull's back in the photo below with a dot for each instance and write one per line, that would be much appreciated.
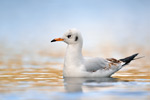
(94, 64)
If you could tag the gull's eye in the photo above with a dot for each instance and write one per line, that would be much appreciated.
(68, 36)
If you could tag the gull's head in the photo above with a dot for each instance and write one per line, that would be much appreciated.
(72, 36)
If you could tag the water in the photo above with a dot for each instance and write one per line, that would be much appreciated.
(40, 78)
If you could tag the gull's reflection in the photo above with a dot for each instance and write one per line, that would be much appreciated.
(75, 84)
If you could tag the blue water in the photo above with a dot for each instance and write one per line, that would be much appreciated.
(43, 80)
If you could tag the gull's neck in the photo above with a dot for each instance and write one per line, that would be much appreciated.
(74, 55)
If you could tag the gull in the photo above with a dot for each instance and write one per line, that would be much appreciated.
(75, 65)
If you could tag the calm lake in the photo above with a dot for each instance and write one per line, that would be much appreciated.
(27, 77)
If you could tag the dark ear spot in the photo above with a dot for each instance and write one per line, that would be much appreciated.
(76, 39)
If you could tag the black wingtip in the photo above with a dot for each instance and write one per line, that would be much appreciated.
(53, 40)
(127, 60)
(135, 54)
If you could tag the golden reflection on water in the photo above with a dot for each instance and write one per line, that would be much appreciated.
(11, 78)
(134, 73)
(15, 72)
(43, 71)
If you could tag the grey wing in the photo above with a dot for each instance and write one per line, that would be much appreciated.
(94, 64)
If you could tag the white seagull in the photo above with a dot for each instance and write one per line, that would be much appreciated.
(75, 65)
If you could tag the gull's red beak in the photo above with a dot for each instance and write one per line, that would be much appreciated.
(57, 39)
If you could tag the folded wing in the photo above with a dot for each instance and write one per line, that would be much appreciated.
(94, 64)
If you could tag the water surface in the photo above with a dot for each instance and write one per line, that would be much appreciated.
(40, 78)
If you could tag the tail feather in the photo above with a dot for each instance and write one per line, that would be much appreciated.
(127, 60)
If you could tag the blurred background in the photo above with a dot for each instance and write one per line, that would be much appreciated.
(106, 25)
(110, 28)
(31, 66)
